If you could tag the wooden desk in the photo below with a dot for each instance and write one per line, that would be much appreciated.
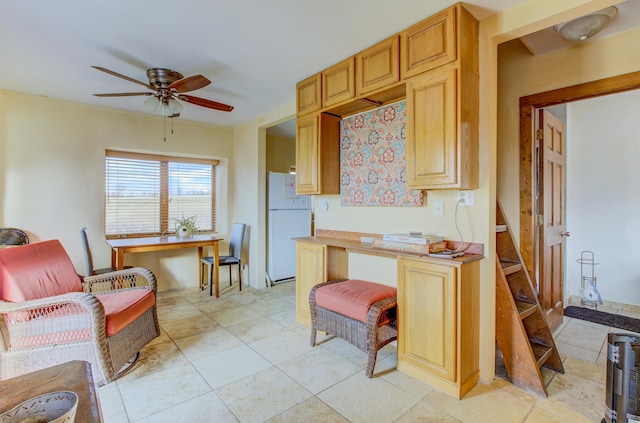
(438, 304)
(74, 376)
(121, 246)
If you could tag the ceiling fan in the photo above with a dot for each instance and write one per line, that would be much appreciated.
(167, 87)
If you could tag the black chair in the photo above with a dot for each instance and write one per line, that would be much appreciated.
(88, 256)
(234, 257)
(13, 236)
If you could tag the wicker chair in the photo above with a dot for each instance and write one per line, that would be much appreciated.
(368, 334)
(51, 315)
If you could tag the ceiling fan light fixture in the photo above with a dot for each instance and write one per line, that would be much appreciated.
(152, 103)
(585, 27)
(174, 107)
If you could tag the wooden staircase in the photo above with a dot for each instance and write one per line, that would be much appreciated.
(522, 333)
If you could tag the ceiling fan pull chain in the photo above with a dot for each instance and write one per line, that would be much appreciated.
(165, 128)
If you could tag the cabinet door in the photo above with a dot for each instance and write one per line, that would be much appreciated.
(307, 154)
(432, 142)
(429, 43)
(311, 269)
(308, 97)
(427, 317)
(338, 83)
(378, 66)
(318, 154)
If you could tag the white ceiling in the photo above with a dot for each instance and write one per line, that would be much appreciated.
(253, 51)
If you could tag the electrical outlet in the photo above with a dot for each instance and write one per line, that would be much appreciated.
(466, 198)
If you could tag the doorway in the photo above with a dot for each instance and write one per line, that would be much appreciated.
(531, 241)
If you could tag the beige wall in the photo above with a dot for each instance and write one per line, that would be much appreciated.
(522, 74)
(52, 174)
(281, 153)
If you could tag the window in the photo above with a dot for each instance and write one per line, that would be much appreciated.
(145, 194)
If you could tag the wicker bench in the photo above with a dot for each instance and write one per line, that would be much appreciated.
(360, 312)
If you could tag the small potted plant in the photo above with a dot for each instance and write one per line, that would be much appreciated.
(186, 226)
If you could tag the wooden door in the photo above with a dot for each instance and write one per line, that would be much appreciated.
(307, 155)
(378, 66)
(551, 180)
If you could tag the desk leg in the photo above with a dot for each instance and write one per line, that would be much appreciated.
(216, 268)
(120, 259)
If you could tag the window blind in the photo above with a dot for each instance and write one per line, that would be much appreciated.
(145, 194)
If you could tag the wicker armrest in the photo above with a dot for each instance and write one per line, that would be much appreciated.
(26, 322)
(135, 277)
(379, 311)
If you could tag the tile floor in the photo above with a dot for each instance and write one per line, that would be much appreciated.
(243, 358)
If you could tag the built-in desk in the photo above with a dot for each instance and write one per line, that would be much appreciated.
(438, 304)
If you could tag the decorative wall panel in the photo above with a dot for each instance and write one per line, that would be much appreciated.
(373, 160)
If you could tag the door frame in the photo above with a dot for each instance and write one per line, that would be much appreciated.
(528, 106)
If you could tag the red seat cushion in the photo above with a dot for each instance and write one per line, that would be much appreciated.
(353, 297)
(122, 308)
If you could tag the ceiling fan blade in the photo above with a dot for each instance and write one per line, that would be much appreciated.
(119, 75)
(121, 94)
(190, 83)
(205, 103)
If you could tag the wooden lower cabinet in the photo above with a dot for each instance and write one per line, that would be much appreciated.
(316, 263)
(438, 330)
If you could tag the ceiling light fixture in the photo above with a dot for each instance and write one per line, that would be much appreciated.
(585, 27)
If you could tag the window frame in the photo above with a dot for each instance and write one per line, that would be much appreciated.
(164, 161)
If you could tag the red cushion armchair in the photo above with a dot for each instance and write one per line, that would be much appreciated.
(50, 315)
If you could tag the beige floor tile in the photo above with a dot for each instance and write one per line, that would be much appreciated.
(190, 326)
(204, 344)
(586, 370)
(385, 369)
(585, 396)
(317, 370)
(361, 399)
(423, 412)
(156, 358)
(588, 337)
(481, 404)
(158, 391)
(233, 316)
(160, 339)
(311, 410)
(286, 318)
(562, 412)
(281, 347)
(268, 306)
(204, 408)
(341, 348)
(111, 404)
(171, 301)
(229, 366)
(216, 304)
(568, 350)
(171, 314)
(514, 390)
(272, 389)
(253, 330)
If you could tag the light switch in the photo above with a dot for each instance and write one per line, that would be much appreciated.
(438, 208)
(324, 205)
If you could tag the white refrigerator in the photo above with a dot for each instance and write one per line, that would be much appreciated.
(289, 217)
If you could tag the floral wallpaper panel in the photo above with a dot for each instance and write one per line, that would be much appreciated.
(373, 161)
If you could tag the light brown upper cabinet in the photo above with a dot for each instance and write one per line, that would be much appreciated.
(318, 154)
(442, 116)
(428, 44)
(339, 83)
(442, 126)
(308, 96)
(378, 66)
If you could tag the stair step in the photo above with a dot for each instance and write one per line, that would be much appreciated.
(510, 267)
(541, 353)
(501, 228)
(526, 309)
